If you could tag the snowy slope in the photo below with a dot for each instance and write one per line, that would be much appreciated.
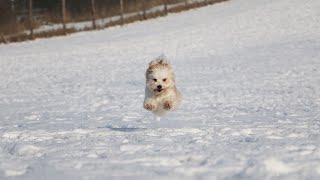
(71, 107)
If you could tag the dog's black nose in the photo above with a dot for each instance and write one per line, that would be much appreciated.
(159, 86)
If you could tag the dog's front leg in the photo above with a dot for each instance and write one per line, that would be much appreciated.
(172, 103)
(167, 104)
(150, 104)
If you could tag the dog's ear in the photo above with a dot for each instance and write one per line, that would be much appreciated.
(148, 72)
(153, 63)
(161, 61)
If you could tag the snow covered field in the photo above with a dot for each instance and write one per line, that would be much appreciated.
(71, 107)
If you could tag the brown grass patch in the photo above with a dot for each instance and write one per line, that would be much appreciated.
(25, 37)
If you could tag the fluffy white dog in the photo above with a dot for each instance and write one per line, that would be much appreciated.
(161, 94)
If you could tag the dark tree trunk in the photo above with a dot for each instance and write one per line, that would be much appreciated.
(30, 18)
(93, 14)
(63, 10)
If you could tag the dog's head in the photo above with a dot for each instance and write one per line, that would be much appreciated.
(159, 76)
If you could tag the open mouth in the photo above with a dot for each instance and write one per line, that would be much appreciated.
(159, 90)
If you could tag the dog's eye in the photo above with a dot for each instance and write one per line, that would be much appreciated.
(164, 80)
(155, 80)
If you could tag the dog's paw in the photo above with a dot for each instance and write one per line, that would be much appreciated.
(167, 105)
(149, 106)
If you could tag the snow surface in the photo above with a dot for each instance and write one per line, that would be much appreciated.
(71, 107)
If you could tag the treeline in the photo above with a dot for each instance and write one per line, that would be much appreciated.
(73, 6)
(76, 6)
(20, 19)
(14, 13)
(12, 8)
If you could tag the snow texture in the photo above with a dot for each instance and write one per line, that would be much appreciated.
(71, 107)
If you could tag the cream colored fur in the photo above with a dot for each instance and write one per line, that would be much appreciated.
(164, 99)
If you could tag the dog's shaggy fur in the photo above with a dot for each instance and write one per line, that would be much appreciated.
(161, 94)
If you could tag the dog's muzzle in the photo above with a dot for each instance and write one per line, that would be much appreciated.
(159, 88)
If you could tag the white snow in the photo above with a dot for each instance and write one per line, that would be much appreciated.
(26, 150)
(71, 107)
(277, 167)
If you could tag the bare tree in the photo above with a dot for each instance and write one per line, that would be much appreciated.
(165, 2)
(7, 17)
(93, 14)
(63, 10)
(144, 9)
(30, 18)
(121, 11)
